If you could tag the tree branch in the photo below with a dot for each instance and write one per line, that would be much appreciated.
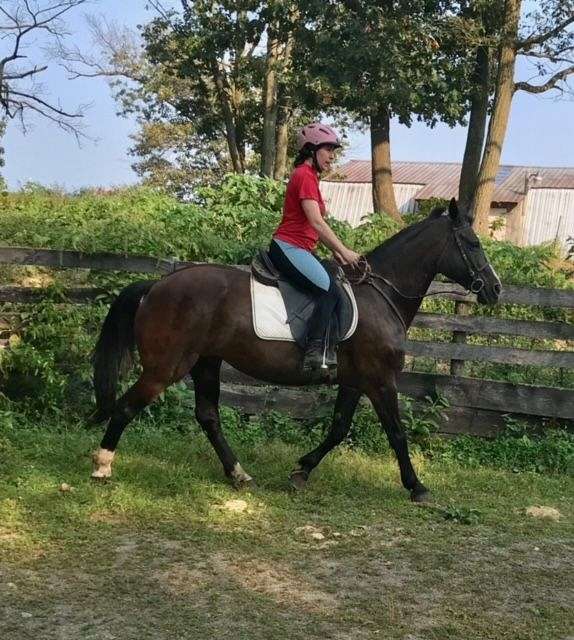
(528, 43)
(553, 57)
(551, 84)
(25, 17)
(119, 55)
(23, 74)
(57, 110)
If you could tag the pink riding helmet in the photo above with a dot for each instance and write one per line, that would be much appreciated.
(317, 134)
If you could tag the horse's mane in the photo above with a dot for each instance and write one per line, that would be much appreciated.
(404, 236)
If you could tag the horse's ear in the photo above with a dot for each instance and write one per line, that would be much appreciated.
(453, 210)
(437, 212)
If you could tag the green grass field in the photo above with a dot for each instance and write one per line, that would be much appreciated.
(167, 549)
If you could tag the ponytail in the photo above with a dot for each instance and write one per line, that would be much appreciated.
(308, 151)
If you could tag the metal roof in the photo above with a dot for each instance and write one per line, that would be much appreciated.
(440, 179)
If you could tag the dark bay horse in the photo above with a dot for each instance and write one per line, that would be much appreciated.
(193, 319)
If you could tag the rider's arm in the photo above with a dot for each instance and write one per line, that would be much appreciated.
(326, 234)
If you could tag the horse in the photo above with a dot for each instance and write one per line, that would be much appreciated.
(190, 321)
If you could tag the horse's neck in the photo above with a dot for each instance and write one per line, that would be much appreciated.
(410, 262)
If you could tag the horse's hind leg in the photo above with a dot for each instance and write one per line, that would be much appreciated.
(136, 398)
(345, 405)
(205, 376)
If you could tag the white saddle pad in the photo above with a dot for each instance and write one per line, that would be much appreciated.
(270, 315)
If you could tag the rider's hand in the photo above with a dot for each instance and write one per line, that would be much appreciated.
(338, 257)
(348, 256)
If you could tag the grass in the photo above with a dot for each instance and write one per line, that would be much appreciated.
(162, 551)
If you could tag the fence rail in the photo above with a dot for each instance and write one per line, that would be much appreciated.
(476, 404)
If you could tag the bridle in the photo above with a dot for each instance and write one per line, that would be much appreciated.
(367, 276)
(477, 282)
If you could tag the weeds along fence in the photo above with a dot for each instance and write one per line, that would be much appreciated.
(476, 406)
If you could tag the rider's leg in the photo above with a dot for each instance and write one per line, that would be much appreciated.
(303, 269)
(317, 350)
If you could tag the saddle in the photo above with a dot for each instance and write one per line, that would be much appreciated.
(299, 305)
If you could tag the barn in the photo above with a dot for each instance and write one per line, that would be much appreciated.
(531, 204)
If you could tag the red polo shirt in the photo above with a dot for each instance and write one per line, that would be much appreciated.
(294, 227)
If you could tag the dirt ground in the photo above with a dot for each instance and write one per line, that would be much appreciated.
(371, 582)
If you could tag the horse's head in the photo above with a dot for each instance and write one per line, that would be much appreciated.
(463, 259)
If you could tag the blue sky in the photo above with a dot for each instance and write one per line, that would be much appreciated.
(541, 128)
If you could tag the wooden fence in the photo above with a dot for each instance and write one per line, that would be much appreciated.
(476, 405)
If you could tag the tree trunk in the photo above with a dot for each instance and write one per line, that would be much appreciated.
(476, 130)
(382, 178)
(2, 132)
(227, 110)
(499, 118)
(284, 115)
(269, 107)
(284, 101)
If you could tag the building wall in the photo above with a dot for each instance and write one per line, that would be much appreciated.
(515, 224)
(350, 201)
(549, 215)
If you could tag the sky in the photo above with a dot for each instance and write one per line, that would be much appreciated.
(540, 132)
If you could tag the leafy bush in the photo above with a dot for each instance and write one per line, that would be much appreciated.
(224, 223)
(519, 448)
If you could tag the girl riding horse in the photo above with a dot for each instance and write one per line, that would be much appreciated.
(302, 226)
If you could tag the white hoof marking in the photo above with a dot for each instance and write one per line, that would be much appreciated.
(102, 460)
(240, 475)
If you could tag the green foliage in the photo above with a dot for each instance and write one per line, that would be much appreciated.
(460, 515)
(224, 223)
(47, 366)
(519, 448)
(527, 266)
(226, 227)
(412, 59)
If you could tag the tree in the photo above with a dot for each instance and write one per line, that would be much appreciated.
(482, 20)
(20, 94)
(375, 60)
(277, 106)
(208, 73)
(213, 47)
(2, 131)
(544, 37)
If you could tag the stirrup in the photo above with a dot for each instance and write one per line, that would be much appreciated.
(318, 357)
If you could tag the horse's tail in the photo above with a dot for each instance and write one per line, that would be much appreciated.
(114, 350)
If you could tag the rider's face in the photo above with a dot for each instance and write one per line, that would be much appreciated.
(325, 157)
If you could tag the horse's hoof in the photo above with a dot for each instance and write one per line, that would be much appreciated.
(244, 484)
(100, 478)
(421, 496)
(298, 479)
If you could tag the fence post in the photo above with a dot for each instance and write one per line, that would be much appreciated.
(460, 309)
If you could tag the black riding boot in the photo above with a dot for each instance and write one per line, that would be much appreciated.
(318, 352)
(318, 355)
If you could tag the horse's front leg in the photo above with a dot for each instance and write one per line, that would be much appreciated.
(345, 406)
(385, 403)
